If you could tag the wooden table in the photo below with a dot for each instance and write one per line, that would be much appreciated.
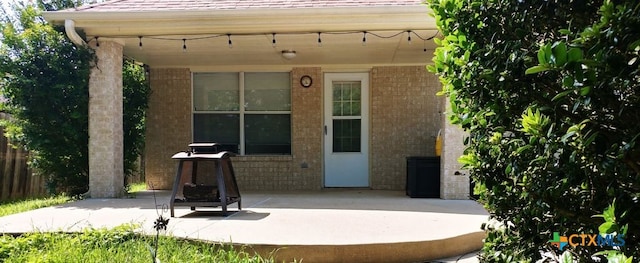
(227, 186)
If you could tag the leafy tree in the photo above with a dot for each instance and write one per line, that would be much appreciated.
(549, 92)
(136, 93)
(45, 86)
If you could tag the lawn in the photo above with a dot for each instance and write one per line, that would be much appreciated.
(19, 206)
(122, 244)
(23, 205)
(137, 187)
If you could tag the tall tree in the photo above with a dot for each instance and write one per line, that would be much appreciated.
(45, 84)
(44, 80)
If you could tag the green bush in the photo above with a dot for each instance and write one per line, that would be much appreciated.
(549, 92)
(45, 84)
(45, 81)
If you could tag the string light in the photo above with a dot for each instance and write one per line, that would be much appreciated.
(273, 37)
(424, 45)
(364, 38)
(273, 40)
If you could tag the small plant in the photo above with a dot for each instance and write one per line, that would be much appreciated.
(159, 225)
(131, 190)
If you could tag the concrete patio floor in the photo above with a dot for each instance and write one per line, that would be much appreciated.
(332, 225)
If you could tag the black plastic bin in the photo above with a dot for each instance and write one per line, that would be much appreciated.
(423, 176)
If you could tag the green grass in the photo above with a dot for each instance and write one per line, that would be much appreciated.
(19, 206)
(121, 244)
(136, 187)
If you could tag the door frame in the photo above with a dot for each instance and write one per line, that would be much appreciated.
(328, 79)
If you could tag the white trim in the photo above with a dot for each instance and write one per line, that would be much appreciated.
(193, 109)
(241, 110)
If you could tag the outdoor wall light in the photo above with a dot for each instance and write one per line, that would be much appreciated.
(288, 54)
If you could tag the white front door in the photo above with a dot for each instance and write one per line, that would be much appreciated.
(346, 142)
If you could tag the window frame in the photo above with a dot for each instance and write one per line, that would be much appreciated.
(241, 109)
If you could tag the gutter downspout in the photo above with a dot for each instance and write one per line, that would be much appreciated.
(70, 30)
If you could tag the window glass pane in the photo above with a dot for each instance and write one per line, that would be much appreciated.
(267, 91)
(267, 133)
(216, 91)
(346, 98)
(346, 135)
(221, 128)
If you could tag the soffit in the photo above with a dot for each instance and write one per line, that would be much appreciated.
(251, 31)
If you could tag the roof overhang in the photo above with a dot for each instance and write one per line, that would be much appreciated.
(252, 32)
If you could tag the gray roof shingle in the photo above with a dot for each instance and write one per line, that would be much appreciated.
(175, 5)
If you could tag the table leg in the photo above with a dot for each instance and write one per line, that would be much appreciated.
(176, 184)
(222, 189)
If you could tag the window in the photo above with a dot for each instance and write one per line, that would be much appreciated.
(247, 113)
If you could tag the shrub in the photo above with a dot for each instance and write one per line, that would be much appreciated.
(549, 92)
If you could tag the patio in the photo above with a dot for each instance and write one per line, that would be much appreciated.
(332, 225)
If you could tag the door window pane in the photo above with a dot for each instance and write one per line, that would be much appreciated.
(267, 133)
(267, 91)
(346, 135)
(220, 128)
(216, 91)
(346, 98)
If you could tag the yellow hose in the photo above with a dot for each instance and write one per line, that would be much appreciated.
(438, 144)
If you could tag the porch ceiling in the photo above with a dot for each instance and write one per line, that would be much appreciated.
(251, 32)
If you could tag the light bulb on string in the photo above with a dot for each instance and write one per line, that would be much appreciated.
(274, 43)
(273, 40)
(364, 38)
(424, 45)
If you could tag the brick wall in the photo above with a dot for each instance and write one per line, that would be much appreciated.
(303, 169)
(168, 124)
(169, 131)
(307, 132)
(404, 121)
(263, 172)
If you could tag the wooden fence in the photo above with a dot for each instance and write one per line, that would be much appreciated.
(17, 179)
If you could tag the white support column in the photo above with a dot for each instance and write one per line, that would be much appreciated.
(454, 182)
(106, 172)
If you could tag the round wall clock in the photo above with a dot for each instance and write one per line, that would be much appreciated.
(306, 81)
